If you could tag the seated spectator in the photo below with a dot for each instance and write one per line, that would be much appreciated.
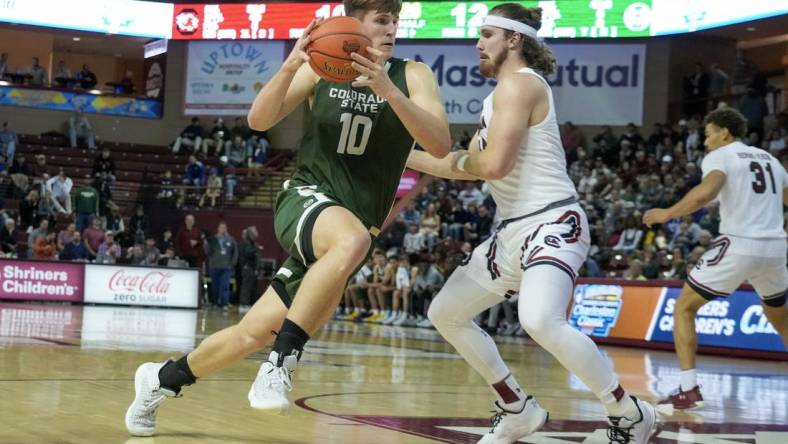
(62, 74)
(191, 137)
(102, 185)
(94, 237)
(45, 248)
(75, 250)
(38, 75)
(218, 138)
(257, 150)
(166, 241)
(169, 259)
(471, 195)
(60, 188)
(572, 138)
(40, 170)
(41, 231)
(484, 223)
(4, 166)
(66, 236)
(167, 189)
(227, 174)
(139, 225)
(79, 128)
(8, 142)
(236, 152)
(20, 175)
(46, 208)
(114, 222)
(411, 215)
(213, 189)
(104, 166)
(635, 271)
(8, 238)
(631, 236)
(414, 241)
(3, 64)
(151, 252)
(135, 255)
(126, 84)
(28, 210)
(774, 142)
(456, 223)
(240, 129)
(195, 172)
(87, 79)
(430, 226)
(109, 251)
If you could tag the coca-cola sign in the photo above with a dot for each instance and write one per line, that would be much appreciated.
(126, 285)
(140, 280)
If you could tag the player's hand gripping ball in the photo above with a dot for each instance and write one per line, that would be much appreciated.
(331, 44)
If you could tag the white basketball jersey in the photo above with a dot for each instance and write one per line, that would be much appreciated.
(539, 176)
(751, 201)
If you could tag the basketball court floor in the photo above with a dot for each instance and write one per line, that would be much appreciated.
(66, 376)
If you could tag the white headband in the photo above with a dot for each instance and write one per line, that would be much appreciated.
(511, 25)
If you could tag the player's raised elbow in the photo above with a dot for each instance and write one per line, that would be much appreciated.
(440, 149)
(255, 123)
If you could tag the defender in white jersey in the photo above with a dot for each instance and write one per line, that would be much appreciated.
(539, 244)
(752, 187)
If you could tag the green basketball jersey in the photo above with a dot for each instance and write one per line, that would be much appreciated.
(355, 147)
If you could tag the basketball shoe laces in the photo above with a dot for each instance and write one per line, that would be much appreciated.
(147, 414)
(276, 382)
(618, 434)
(499, 413)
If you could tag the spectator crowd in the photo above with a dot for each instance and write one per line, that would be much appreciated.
(618, 177)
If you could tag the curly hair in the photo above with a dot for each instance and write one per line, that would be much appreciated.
(537, 55)
(730, 119)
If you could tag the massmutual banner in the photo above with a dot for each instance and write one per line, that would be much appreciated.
(594, 84)
(223, 77)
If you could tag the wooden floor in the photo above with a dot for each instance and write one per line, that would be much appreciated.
(66, 376)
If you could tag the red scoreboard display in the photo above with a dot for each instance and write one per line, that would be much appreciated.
(279, 21)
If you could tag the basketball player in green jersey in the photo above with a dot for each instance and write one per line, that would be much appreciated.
(356, 143)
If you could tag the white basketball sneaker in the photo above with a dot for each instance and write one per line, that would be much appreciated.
(509, 427)
(623, 430)
(270, 387)
(141, 415)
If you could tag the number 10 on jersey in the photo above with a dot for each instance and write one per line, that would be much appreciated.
(349, 142)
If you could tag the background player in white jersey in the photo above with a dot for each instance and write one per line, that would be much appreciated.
(752, 187)
(538, 246)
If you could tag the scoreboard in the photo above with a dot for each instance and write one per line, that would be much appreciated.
(418, 20)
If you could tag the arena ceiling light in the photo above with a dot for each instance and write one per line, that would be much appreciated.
(121, 17)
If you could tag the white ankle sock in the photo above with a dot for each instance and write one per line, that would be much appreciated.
(624, 407)
(688, 379)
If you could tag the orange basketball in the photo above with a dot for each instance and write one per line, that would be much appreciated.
(331, 45)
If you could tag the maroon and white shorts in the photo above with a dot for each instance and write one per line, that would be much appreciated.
(730, 261)
(557, 237)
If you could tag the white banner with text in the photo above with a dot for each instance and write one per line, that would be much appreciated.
(594, 84)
